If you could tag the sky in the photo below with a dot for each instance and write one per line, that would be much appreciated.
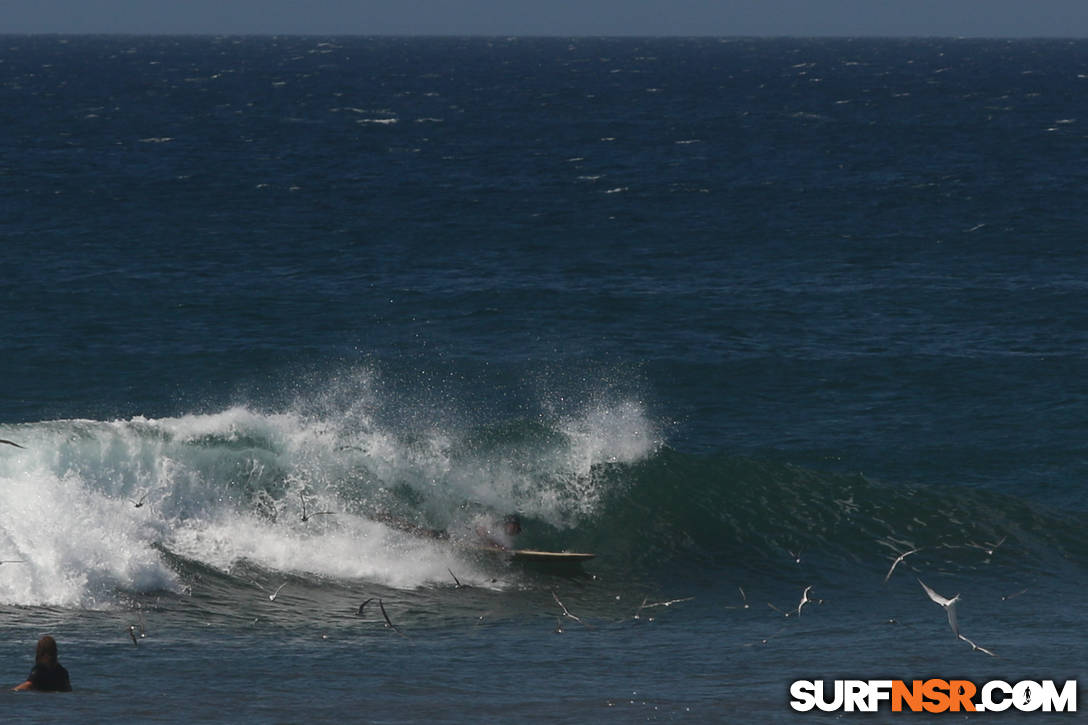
(895, 18)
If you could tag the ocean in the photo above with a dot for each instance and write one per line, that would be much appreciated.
(745, 318)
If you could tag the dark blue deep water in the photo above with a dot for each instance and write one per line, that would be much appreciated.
(738, 316)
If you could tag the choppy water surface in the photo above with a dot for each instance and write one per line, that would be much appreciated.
(740, 317)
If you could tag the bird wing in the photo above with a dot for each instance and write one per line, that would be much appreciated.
(976, 647)
(804, 600)
(951, 609)
(387, 620)
(889, 574)
(899, 560)
(934, 595)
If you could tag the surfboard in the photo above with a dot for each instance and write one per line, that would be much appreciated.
(537, 556)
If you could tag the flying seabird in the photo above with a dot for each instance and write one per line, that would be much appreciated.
(897, 561)
(306, 516)
(273, 595)
(780, 611)
(389, 622)
(975, 647)
(457, 582)
(566, 612)
(669, 603)
(12, 443)
(987, 546)
(948, 604)
(743, 598)
(805, 600)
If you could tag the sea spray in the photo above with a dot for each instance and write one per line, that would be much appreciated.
(90, 504)
(78, 546)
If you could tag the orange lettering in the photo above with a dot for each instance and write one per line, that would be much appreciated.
(961, 692)
(912, 695)
(936, 691)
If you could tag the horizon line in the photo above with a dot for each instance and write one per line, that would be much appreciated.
(527, 36)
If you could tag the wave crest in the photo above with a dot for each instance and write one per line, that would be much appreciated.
(89, 505)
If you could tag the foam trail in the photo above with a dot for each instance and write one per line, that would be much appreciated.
(353, 548)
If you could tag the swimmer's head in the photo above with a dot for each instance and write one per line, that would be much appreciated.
(47, 651)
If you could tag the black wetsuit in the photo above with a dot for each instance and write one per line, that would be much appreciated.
(50, 678)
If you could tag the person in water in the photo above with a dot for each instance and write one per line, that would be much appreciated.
(48, 675)
(500, 537)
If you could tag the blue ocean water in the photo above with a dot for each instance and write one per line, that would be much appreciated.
(739, 316)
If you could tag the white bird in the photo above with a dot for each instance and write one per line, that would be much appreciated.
(566, 612)
(645, 605)
(743, 598)
(987, 546)
(975, 647)
(948, 604)
(273, 595)
(897, 561)
(780, 611)
(665, 604)
(805, 600)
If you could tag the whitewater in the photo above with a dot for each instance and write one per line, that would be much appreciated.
(235, 486)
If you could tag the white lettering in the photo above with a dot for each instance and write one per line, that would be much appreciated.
(1064, 701)
(1027, 696)
(833, 705)
(991, 703)
(879, 690)
(804, 695)
(855, 695)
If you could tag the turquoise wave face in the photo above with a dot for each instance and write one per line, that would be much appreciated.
(721, 512)
(345, 498)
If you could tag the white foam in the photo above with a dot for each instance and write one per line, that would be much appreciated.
(230, 486)
(80, 547)
(345, 548)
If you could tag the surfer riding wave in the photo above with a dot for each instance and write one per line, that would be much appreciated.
(491, 532)
(500, 535)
